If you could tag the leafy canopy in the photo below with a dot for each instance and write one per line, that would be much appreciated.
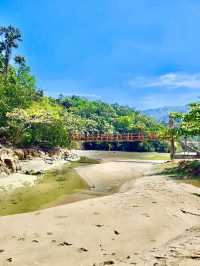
(27, 118)
(188, 123)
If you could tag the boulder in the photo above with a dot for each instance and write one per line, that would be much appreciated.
(55, 153)
(9, 162)
(19, 153)
(66, 153)
(28, 154)
(73, 157)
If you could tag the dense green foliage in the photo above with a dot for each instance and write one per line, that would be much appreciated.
(101, 117)
(188, 124)
(27, 118)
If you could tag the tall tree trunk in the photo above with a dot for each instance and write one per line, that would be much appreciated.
(171, 126)
(7, 59)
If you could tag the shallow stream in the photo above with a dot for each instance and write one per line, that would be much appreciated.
(56, 187)
(61, 186)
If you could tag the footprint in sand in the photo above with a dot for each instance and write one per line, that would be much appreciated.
(21, 239)
(116, 232)
(35, 241)
(99, 225)
(83, 249)
(146, 215)
(109, 262)
(64, 243)
(62, 216)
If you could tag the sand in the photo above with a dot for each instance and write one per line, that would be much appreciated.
(150, 221)
(35, 166)
(106, 175)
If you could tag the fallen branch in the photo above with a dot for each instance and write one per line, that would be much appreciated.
(191, 213)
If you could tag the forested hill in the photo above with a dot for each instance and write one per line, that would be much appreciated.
(30, 119)
(162, 114)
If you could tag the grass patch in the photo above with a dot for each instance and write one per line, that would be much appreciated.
(151, 156)
(183, 171)
(129, 155)
(49, 190)
(84, 159)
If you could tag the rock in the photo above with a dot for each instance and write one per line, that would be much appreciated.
(66, 153)
(19, 153)
(32, 153)
(73, 157)
(55, 153)
(32, 172)
(49, 160)
(28, 154)
(9, 162)
(29, 157)
(4, 174)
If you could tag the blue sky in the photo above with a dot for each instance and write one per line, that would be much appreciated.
(137, 52)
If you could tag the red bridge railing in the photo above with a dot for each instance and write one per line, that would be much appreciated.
(128, 137)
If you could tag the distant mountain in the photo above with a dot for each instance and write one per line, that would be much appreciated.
(162, 114)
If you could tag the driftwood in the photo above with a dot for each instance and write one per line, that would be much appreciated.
(191, 213)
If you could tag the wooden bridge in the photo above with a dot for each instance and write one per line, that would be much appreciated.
(128, 137)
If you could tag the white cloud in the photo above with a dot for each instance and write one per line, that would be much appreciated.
(170, 80)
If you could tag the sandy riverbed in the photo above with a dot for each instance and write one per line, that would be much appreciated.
(108, 175)
(153, 222)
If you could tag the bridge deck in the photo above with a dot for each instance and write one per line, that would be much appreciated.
(129, 137)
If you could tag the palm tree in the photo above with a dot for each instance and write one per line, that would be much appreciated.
(10, 36)
(20, 60)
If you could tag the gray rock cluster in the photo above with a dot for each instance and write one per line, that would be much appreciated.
(10, 158)
(9, 162)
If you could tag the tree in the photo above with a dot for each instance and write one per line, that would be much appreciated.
(18, 91)
(20, 60)
(43, 124)
(10, 36)
(188, 124)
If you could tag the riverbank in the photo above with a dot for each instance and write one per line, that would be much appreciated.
(46, 182)
(30, 171)
(43, 185)
(32, 168)
(146, 223)
(35, 188)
